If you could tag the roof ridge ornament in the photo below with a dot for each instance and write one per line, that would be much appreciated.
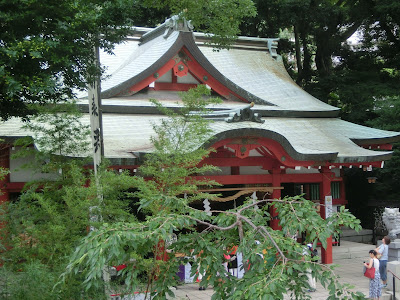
(273, 46)
(177, 23)
(243, 114)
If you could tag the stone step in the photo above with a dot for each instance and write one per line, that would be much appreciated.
(363, 236)
(352, 232)
(352, 250)
(388, 295)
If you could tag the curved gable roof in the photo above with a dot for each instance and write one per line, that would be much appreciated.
(263, 77)
(253, 75)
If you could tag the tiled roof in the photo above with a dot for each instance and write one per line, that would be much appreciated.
(126, 135)
(251, 73)
(306, 127)
(137, 60)
(263, 76)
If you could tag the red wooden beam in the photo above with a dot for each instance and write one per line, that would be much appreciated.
(301, 178)
(325, 190)
(234, 161)
(5, 163)
(378, 146)
(237, 179)
(282, 157)
(144, 83)
(267, 178)
(14, 187)
(168, 86)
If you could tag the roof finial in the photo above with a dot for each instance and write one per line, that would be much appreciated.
(177, 23)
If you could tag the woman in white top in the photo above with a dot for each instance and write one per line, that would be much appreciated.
(383, 249)
(374, 284)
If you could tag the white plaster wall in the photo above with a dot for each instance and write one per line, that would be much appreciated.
(167, 77)
(18, 173)
(224, 171)
(302, 170)
(249, 170)
(336, 171)
(255, 153)
(187, 79)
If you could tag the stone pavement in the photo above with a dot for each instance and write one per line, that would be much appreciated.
(349, 257)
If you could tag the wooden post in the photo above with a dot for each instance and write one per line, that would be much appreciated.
(276, 194)
(4, 193)
(5, 163)
(326, 254)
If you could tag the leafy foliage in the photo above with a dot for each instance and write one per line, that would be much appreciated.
(178, 150)
(219, 19)
(52, 214)
(45, 57)
(50, 217)
(3, 173)
(277, 263)
(360, 76)
(388, 114)
(58, 133)
(36, 282)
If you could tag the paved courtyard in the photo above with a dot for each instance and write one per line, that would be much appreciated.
(349, 257)
(350, 271)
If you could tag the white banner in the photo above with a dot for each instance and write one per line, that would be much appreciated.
(95, 119)
(97, 139)
(328, 206)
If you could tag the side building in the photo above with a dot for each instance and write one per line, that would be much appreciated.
(270, 135)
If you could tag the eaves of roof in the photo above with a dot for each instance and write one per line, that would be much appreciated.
(127, 136)
(252, 75)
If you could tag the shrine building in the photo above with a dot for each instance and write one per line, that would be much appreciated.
(270, 135)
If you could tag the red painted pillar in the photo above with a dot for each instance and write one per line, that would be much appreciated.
(235, 170)
(4, 194)
(325, 190)
(276, 194)
(4, 163)
(342, 187)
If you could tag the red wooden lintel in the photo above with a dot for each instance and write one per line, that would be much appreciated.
(169, 86)
(144, 83)
(264, 178)
(242, 151)
(378, 146)
(267, 163)
(14, 187)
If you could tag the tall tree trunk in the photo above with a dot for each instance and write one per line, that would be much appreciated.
(298, 55)
(307, 72)
(323, 56)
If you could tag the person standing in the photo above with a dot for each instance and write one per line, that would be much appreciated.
(383, 249)
(308, 251)
(375, 288)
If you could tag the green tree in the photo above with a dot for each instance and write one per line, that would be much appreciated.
(47, 46)
(316, 33)
(319, 28)
(169, 194)
(47, 222)
(388, 114)
(361, 78)
(219, 19)
(58, 135)
(53, 213)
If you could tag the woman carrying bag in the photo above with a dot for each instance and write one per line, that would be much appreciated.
(375, 282)
(383, 251)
